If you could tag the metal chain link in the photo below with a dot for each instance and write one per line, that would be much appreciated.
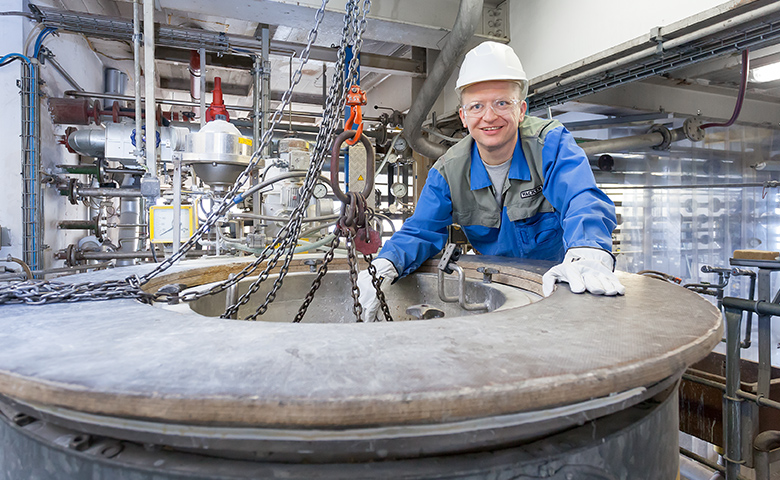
(357, 308)
(41, 292)
(376, 281)
(315, 285)
(331, 117)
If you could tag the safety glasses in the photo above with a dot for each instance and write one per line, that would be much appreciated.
(500, 106)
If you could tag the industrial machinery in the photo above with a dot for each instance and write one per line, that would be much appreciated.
(217, 330)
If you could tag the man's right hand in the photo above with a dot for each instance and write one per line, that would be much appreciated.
(368, 298)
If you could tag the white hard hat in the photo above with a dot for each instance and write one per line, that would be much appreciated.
(491, 61)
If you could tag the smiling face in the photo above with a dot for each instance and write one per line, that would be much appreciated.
(494, 134)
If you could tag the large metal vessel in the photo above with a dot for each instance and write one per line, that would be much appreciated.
(567, 387)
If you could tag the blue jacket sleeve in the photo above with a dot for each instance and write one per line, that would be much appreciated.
(423, 234)
(587, 214)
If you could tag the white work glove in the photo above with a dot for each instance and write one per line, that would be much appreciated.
(585, 268)
(368, 299)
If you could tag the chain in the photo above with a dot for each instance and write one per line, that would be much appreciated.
(357, 308)
(331, 117)
(43, 291)
(377, 282)
(315, 285)
(227, 201)
(285, 241)
(289, 235)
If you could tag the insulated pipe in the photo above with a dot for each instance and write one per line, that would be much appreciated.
(202, 102)
(195, 74)
(129, 216)
(469, 15)
(149, 74)
(90, 142)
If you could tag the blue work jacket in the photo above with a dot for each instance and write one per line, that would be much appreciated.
(551, 202)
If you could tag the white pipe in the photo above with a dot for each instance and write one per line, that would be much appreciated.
(675, 42)
(176, 203)
(149, 74)
(195, 90)
(202, 52)
(137, 79)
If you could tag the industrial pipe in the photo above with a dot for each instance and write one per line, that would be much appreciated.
(195, 74)
(271, 218)
(469, 15)
(107, 192)
(764, 443)
(760, 307)
(86, 255)
(137, 79)
(150, 149)
(88, 141)
(241, 196)
(179, 103)
(24, 266)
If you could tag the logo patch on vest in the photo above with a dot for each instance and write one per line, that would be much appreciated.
(531, 193)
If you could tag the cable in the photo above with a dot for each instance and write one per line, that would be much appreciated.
(33, 34)
(14, 56)
(20, 14)
(39, 41)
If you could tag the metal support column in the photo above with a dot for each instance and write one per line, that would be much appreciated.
(732, 429)
(149, 73)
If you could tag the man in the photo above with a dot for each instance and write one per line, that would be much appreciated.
(519, 186)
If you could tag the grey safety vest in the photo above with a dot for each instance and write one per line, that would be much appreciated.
(522, 199)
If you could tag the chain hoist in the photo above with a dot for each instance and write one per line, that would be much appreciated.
(331, 117)
(354, 225)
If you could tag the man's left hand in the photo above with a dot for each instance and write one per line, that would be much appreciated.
(585, 268)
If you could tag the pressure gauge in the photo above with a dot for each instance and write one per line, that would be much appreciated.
(400, 144)
(319, 191)
(398, 189)
(161, 223)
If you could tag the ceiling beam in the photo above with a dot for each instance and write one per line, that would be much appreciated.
(408, 22)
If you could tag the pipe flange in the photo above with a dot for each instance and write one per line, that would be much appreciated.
(692, 129)
(70, 256)
(115, 112)
(96, 111)
(72, 194)
(665, 133)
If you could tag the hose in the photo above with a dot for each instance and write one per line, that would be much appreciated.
(25, 267)
(740, 95)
